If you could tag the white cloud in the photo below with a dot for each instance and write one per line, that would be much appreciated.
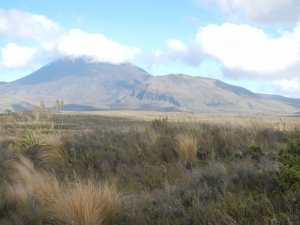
(51, 42)
(245, 53)
(13, 56)
(245, 48)
(23, 25)
(77, 43)
(264, 12)
(289, 84)
(177, 45)
(290, 87)
(188, 53)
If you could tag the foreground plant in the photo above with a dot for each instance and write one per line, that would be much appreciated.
(29, 193)
(29, 139)
(37, 197)
(86, 203)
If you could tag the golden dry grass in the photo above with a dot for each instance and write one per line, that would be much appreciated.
(186, 146)
(38, 196)
(54, 154)
(30, 192)
(86, 203)
(151, 136)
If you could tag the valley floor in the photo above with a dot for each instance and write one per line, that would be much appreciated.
(275, 120)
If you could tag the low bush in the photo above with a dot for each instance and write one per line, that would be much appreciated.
(289, 162)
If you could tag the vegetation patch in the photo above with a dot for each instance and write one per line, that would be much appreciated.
(60, 168)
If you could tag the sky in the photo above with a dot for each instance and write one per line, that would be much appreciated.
(254, 44)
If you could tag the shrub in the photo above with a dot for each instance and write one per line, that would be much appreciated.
(160, 124)
(289, 162)
(255, 152)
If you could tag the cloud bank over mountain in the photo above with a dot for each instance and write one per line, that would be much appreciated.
(52, 41)
(76, 43)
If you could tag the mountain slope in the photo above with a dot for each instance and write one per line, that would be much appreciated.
(198, 94)
(288, 101)
(76, 80)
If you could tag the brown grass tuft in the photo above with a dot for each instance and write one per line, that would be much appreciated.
(86, 203)
(186, 146)
(37, 196)
(151, 136)
(30, 192)
(54, 154)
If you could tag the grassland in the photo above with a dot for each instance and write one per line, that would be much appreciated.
(145, 168)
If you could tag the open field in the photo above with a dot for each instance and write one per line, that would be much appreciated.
(288, 121)
(127, 167)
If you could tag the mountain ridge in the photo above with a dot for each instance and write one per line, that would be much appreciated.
(198, 93)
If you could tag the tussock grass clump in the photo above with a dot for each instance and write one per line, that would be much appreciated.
(86, 203)
(29, 192)
(186, 146)
(151, 136)
(35, 197)
(53, 155)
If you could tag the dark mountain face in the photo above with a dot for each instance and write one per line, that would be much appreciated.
(57, 70)
(79, 67)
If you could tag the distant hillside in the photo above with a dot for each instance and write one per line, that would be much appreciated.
(17, 102)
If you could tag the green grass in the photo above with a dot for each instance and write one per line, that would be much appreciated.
(92, 169)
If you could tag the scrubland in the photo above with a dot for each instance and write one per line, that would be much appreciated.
(62, 168)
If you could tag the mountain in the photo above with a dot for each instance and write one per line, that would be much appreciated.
(77, 80)
(88, 86)
(201, 94)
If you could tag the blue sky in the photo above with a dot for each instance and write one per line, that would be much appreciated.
(253, 44)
